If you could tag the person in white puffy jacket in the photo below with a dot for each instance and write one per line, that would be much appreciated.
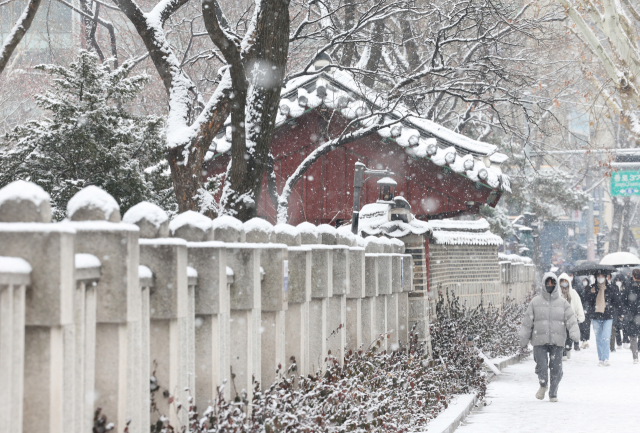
(573, 298)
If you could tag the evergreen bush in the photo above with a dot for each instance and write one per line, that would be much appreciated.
(89, 137)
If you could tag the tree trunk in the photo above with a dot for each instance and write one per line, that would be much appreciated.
(409, 44)
(616, 226)
(349, 50)
(376, 53)
(187, 178)
(257, 78)
(626, 222)
(185, 155)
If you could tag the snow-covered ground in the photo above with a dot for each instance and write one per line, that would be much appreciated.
(591, 398)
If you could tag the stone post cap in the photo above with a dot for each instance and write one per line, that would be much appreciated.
(374, 245)
(191, 226)
(388, 246)
(286, 234)
(258, 230)
(308, 233)
(151, 218)
(328, 234)
(345, 237)
(228, 229)
(398, 245)
(93, 204)
(22, 201)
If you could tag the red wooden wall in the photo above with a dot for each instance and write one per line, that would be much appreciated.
(324, 195)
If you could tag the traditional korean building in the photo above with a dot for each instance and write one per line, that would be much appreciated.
(438, 173)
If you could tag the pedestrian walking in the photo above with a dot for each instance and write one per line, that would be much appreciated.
(576, 284)
(632, 302)
(618, 332)
(573, 298)
(546, 322)
(604, 301)
(585, 327)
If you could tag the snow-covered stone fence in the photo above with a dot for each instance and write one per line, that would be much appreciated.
(464, 261)
(95, 310)
(517, 276)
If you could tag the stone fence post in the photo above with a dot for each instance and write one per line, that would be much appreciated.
(49, 333)
(321, 292)
(244, 261)
(95, 216)
(337, 302)
(146, 284)
(212, 314)
(170, 336)
(15, 276)
(355, 295)
(403, 298)
(378, 284)
(88, 272)
(298, 297)
(153, 222)
(273, 297)
(368, 304)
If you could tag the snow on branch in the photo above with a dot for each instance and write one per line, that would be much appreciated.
(375, 123)
(17, 32)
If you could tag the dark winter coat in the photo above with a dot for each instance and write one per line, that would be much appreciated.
(576, 285)
(632, 302)
(548, 319)
(612, 299)
(581, 292)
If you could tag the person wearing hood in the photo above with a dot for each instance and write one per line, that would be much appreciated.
(585, 327)
(618, 328)
(546, 322)
(633, 309)
(573, 298)
(603, 301)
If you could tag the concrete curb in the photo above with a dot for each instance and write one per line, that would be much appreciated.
(515, 359)
(465, 410)
(459, 417)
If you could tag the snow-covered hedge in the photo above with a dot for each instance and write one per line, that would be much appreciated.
(375, 390)
(494, 331)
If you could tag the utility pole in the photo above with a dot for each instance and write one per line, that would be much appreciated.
(591, 244)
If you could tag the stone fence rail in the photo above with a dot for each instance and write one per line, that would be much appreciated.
(94, 308)
(95, 311)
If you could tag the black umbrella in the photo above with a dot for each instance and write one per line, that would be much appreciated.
(593, 269)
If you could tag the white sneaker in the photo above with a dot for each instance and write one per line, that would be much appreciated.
(569, 355)
(635, 361)
(553, 399)
(541, 392)
(586, 345)
(606, 363)
(600, 363)
(564, 358)
(626, 345)
(583, 345)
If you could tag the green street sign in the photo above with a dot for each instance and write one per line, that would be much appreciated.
(625, 183)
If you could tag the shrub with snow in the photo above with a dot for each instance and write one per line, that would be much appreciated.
(89, 136)
(494, 331)
(395, 391)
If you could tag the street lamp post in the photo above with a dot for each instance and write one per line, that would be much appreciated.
(358, 183)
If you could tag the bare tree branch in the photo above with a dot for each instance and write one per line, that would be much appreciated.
(17, 32)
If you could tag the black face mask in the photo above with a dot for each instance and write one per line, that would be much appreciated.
(550, 289)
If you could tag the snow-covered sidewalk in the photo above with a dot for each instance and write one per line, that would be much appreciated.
(592, 398)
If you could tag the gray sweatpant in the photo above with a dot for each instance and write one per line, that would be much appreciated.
(549, 357)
